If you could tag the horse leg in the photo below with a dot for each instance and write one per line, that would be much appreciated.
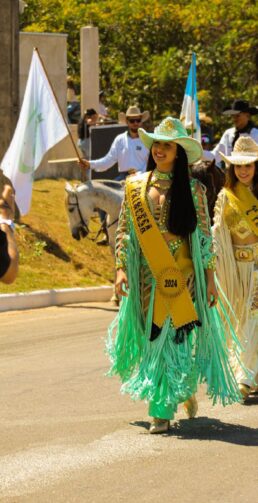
(104, 230)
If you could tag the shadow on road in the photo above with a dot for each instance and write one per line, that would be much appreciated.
(89, 307)
(252, 399)
(204, 428)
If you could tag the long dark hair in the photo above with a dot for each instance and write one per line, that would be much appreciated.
(213, 178)
(83, 129)
(182, 219)
(231, 179)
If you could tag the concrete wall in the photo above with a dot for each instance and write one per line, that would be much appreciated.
(89, 67)
(53, 52)
(9, 71)
(52, 49)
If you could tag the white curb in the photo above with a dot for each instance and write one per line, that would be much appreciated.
(46, 298)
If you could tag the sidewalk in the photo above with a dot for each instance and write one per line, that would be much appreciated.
(46, 298)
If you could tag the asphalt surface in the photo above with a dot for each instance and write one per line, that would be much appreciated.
(68, 435)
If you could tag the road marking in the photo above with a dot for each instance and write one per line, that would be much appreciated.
(25, 471)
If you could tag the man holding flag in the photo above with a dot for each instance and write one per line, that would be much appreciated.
(40, 126)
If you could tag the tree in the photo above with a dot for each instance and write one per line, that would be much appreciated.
(145, 48)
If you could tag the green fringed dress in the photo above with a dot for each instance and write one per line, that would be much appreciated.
(161, 371)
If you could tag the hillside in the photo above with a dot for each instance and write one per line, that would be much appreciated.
(49, 256)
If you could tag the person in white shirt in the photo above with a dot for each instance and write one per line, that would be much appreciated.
(127, 150)
(240, 112)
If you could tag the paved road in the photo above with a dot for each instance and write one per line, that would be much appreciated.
(67, 435)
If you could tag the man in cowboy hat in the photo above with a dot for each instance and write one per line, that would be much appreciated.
(240, 112)
(127, 150)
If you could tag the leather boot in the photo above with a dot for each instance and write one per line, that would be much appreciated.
(191, 407)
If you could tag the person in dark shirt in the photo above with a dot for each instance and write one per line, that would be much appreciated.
(89, 118)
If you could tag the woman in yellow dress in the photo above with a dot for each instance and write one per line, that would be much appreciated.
(236, 242)
(168, 335)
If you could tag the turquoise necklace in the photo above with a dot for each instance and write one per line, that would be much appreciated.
(161, 180)
(159, 175)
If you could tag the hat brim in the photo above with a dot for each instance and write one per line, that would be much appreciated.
(251, 111)
(144, 115)
(192, 147)
(205, 118)
(237, 159)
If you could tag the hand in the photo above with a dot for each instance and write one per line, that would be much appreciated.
(7, 205)
(121, 279)
(212, 293)
(7, 209)
(84, 164)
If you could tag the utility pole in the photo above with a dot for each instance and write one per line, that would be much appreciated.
(9, 70)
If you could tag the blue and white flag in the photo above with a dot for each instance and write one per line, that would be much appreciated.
(190, 114)
(40, 126)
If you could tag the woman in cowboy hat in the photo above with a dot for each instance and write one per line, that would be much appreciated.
(240, 112)
(168, 335)
(236, 239)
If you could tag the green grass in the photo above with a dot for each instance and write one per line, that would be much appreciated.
(49, 256)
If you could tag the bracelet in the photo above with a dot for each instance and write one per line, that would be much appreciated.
(7, 221)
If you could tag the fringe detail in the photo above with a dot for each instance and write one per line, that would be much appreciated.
(181, 332)
(126, 333)
(185, 330)
(155, 332)
(212, 352)
(167, 370)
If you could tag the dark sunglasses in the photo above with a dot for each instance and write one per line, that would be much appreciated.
(134, 120)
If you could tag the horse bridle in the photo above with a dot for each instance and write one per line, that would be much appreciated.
(84, 224)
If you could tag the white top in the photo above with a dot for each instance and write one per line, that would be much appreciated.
(129, 153)
(70, 95)
(225, 144)
(102, 109)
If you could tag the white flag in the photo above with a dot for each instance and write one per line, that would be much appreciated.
(190, 113)
(40, 126)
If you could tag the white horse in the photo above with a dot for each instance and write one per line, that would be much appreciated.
(82, 201)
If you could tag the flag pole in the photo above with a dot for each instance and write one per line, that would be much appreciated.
(58, 106)
(192, 93)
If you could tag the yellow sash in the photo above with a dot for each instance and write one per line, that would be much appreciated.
(246, 203)
(171, 296)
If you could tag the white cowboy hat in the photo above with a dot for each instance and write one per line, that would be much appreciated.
(133, 111)
(171, 129)
(245, 152)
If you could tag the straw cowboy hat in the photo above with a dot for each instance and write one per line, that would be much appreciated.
(245, 152)
(205, 118)
(133, 111)
(240, 106)
(171, 129)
